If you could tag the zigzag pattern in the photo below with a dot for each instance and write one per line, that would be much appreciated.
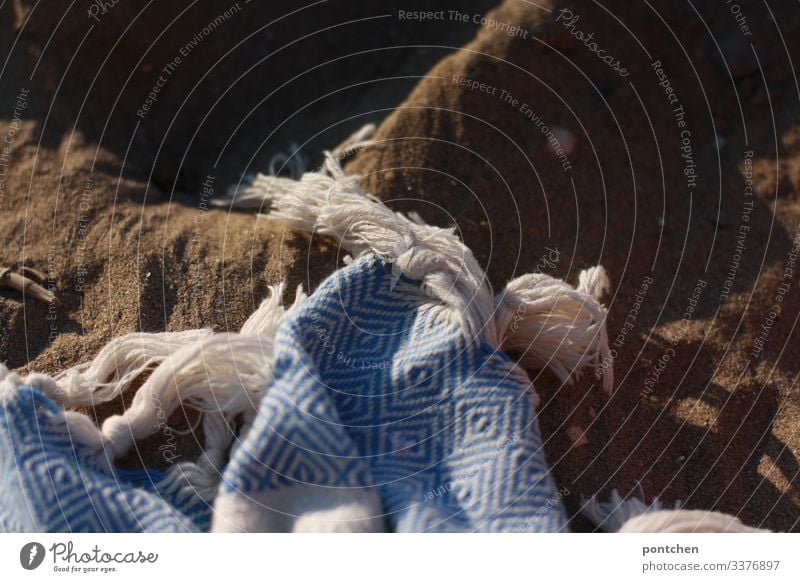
(372, 389)
(51, 484)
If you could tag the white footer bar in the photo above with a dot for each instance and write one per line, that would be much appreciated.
(406, 558)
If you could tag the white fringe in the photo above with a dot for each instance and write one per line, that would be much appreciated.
(118, 365)
(204, 474)
(687, 521)
(222, 375)
(612, 514)
(266, 319)
(358, 141)
(337, 207)
(551, 324)
(633, 515)
(225, 373)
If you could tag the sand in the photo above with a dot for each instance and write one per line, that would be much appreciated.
(695, 231)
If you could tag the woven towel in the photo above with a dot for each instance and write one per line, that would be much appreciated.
(380, 415)
(384, 401)
(50, 483)
(373, 391)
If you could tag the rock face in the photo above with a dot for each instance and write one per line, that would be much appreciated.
(122, 124)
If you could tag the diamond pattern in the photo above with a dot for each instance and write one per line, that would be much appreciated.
(371, 388)
(436, 421)
(51, 484)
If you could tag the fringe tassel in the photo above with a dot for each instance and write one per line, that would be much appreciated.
(551, 324)
(222, 375)
(633, 515)
(224, 372)
(611, 515)
(337, 207)
(687, 521)
(204, 475)
(118, 365)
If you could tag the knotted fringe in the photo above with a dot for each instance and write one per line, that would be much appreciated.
(551, 324)
(633, 515)
(222, 375)
(339, 208)
(118, 365)
(204, 474)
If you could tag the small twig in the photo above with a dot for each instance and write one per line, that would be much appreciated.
(34, 274)
(27, 283)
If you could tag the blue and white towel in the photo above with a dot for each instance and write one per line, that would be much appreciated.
(50, 483)
(372, 393)
(384, 401)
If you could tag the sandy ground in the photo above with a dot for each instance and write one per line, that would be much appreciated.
(683, 182)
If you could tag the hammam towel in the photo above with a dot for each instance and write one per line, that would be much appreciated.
(382, 405)
(385, 400)
(53, 482)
